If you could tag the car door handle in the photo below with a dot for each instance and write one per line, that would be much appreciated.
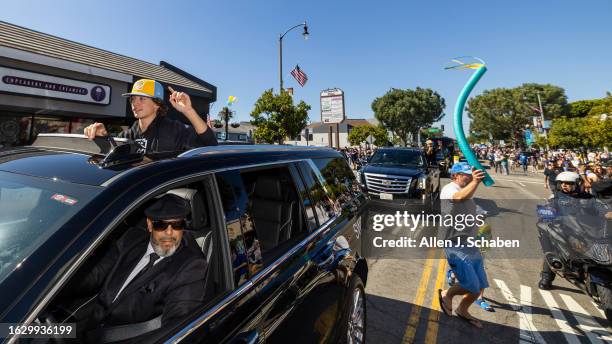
(250, 337)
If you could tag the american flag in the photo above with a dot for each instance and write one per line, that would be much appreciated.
(299, 75)
(534, 108)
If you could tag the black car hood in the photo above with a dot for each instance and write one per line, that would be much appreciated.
(395, 170)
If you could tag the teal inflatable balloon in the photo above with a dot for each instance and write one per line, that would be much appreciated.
(464, 146)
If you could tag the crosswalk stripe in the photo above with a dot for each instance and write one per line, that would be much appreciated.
(525, 299)
(586, 323)
(528, 332)
(570, 335)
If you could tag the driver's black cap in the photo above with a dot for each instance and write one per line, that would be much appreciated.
(168, 207)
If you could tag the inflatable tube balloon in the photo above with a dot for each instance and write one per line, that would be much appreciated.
(464, 146)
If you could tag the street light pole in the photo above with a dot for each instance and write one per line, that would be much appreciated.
(280, 64)
(280, 50)
(542, 114)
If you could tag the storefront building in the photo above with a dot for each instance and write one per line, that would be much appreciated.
(53, 85)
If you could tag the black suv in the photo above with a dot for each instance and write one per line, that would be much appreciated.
(400, 177)
(279, 226)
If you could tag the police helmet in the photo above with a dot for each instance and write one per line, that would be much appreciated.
(568, 177)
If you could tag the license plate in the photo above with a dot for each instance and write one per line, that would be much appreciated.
(386, 196)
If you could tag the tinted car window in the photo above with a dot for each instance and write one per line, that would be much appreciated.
(31, 210)
(234, 200)
(323, 206)
(263, 218)
(308, 208)
(397, 157)
(339, 179)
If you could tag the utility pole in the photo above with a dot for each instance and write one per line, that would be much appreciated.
(542, 117)
(541, 114)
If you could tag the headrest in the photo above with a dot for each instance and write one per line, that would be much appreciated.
(199, 216)
(268, 187)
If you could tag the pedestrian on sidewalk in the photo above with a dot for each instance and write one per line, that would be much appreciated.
(512, 161)
(498, 160)
(523, 161)
(466, 262)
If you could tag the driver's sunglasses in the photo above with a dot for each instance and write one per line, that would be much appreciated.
(161, 225)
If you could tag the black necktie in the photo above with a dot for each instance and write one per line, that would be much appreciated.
(153, 257)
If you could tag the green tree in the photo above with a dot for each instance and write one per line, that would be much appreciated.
(581, 108)
(497, 112)
(597, 133)
(503, 112)
(566, 133)
(602, 106)
(554, 100)
(405, 111)
(277, 118)
(360, 133)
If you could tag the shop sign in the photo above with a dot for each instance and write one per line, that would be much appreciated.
(42, 85)
(332, 106)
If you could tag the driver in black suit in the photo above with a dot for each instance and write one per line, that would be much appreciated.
(146, 274)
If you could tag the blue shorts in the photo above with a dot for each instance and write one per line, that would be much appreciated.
(467, 263)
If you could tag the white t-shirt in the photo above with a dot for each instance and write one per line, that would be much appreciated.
(449, 190)
(448, 206)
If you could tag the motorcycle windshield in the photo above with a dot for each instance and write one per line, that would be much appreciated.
(582, 223)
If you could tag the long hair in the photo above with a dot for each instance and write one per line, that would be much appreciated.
(163, 108)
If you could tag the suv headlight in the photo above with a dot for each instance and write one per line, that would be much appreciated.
(422, 183)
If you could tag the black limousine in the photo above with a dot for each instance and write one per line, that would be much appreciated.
(280, 228)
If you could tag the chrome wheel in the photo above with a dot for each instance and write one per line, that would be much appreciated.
(356, 321)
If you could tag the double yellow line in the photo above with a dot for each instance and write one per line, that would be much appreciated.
(431, 336)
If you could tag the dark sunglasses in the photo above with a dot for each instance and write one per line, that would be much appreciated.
(161, 225)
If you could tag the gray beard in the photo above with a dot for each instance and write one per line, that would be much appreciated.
(157, 248)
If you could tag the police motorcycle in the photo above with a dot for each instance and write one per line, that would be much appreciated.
(576, 238)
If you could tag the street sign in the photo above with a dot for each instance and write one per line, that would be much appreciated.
(332, 106)
(370, 139)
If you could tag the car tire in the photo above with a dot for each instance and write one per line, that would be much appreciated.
(353, 326)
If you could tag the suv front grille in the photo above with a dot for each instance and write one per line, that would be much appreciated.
(387, 183)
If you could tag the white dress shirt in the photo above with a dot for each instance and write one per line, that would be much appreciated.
(141, 265)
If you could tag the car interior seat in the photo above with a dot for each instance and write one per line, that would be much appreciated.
(198, 223)
(272, 214)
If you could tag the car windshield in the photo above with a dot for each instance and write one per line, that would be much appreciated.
(397, 157)
(31, 210)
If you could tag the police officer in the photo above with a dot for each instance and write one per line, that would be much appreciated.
(568, 185)
(153, 130)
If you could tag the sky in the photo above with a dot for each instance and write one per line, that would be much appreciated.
(364, 48)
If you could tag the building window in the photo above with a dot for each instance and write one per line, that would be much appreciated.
(78, 125)
(9, 131)
(51, 125)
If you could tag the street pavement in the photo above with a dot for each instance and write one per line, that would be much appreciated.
(402, 302)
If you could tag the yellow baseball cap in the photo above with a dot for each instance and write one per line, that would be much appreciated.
(147, 88)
